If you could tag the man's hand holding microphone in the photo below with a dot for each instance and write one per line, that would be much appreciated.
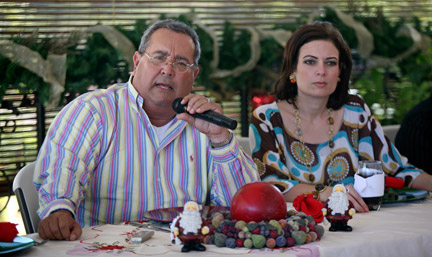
(206, 116)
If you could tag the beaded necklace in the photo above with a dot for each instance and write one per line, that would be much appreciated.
(331, 143)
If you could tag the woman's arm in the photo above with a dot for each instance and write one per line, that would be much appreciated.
(353, 196)
(423, 181)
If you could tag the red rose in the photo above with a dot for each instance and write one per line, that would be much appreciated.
(310, 206)
(8, 231)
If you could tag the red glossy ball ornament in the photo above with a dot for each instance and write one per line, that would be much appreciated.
(258, 201)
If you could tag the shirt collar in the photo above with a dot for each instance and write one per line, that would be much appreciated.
(134, 93)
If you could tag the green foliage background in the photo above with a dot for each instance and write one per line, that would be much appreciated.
(399, 86)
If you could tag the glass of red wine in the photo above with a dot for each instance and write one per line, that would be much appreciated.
(369, 183)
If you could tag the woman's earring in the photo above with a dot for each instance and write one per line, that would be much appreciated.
(339, 79)
(292, 79)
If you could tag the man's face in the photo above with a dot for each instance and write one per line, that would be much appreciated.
(159, 85)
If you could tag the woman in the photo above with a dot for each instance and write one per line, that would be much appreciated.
(315, 134)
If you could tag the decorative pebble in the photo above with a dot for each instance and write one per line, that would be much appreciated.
(230, 243)
(319, 230)
(239, 242)
(298, 228)
(271, 243)
(290, 241)
(299, 237)
(280, 241)
(220, 239)
(248, 243)
(313, 235)
(240, 224)
(258, 241)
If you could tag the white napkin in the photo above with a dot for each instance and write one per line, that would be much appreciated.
(372, 186)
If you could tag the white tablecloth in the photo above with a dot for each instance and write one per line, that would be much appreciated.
(396, 230)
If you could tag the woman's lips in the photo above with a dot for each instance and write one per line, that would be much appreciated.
(320, 84)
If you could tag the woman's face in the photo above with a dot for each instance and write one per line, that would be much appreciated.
(317, 70)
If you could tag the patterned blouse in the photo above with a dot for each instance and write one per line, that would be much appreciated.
(281, 159)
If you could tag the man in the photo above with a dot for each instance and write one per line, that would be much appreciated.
(111, 155)
(338, 209)
(190, 228)
(414, 139)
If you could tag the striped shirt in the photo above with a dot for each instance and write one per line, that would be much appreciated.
(102, 160)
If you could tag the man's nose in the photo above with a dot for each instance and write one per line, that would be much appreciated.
(168, 69)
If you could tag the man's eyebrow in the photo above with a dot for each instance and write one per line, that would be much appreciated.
(183, 58)
(159, 52)
(165, 53)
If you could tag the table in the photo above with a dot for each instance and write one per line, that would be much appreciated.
(403, 229)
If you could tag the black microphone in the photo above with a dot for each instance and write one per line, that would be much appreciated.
(210, 116)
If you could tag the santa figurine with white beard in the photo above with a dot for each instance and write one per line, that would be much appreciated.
(189, 227)
(338, 209)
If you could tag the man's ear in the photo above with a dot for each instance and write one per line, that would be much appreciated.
(196, 71)
(136, 60)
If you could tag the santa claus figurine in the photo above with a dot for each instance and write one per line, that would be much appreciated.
(189, 227)
(338, 209)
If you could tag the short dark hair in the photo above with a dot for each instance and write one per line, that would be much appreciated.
(176, 26)
(285, 90)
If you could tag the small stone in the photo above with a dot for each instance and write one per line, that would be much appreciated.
(216, 223)
(282, 223)
(313, 235)
(220, 239)
(252, 226)
(273, 233)
(239, 242)
(275, 224)
(206, 239)
(301, 222)
(241, 234)
(218, 215)
(319, 230)
(248, 243)
(299, 237)
(308, 238)
(291, 212)
(240, 224)
(230, 243)
(271, 243)
(280, 241)
(258, 241)
(290, 241)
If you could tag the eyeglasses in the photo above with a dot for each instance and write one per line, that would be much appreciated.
(161, 60)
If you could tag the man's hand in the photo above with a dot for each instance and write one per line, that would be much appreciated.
(176, 232)
(205, 230)
(324, 211)
(60, 225)
(200, 104)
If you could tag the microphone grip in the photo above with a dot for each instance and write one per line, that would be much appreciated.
(217, 118)
(210, 116)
